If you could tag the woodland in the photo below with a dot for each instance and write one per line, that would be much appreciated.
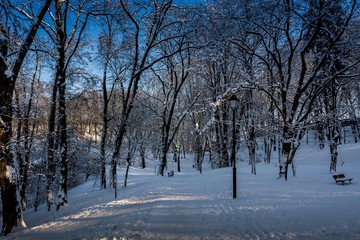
(91, 86)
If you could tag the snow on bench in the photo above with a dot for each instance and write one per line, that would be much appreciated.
(340, 178)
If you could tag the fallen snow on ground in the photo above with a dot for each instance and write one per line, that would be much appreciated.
(191, 205)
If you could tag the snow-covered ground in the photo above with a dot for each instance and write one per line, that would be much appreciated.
(200, 206)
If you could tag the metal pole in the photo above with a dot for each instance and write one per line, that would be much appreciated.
(233, 157)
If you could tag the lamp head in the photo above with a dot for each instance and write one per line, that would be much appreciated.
(233, 102)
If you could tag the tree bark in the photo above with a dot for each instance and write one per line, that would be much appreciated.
(104, 129)
(50, 175)
(251, 143)
(221, 140)
(142, 155)
(7, 168)
(63, 144)
(333, 126)
(28, 135)
(128, 164)
(268, 146)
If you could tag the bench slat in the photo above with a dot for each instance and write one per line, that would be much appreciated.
(340, 178)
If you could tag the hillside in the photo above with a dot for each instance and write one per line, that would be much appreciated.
(200, 206)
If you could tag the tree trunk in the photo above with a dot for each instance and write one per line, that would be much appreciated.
(221, 142)
(61, 34)
(103, 158)
(38, 187)
(114, 174)
(62, 194)
(7, 165)
(224, 141)
(198, 150)
(353, 120)
(320, 134)
(333, 126)
(118, 142)
(7, 84)
(9, 200)
(267, 149)
(104, 129)
(286, 150)
(128, 164)
(19, 152)
(165, 132)
(334, 138)
(142, 155)
(163, 163)
(252, 148)
(290, 145)
(333, 154)
(178, 165)
(50, 175)
(27, 141)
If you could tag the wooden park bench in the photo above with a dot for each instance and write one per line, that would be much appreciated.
(171, 173)
(340, 178)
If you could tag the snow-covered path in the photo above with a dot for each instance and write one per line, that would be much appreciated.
(194, 206)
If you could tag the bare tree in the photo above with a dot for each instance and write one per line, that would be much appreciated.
(109, 55)
(171, 84)
(26, 110)
(8, 76)
(67, 42)
(283, 34)
(218, 67)
(147, 22)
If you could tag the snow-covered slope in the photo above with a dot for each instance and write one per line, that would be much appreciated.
(200, 206)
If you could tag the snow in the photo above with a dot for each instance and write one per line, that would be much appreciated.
(10, 173)
(190, 205)
(8, 73)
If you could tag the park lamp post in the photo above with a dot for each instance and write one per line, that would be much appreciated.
(233, 104)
